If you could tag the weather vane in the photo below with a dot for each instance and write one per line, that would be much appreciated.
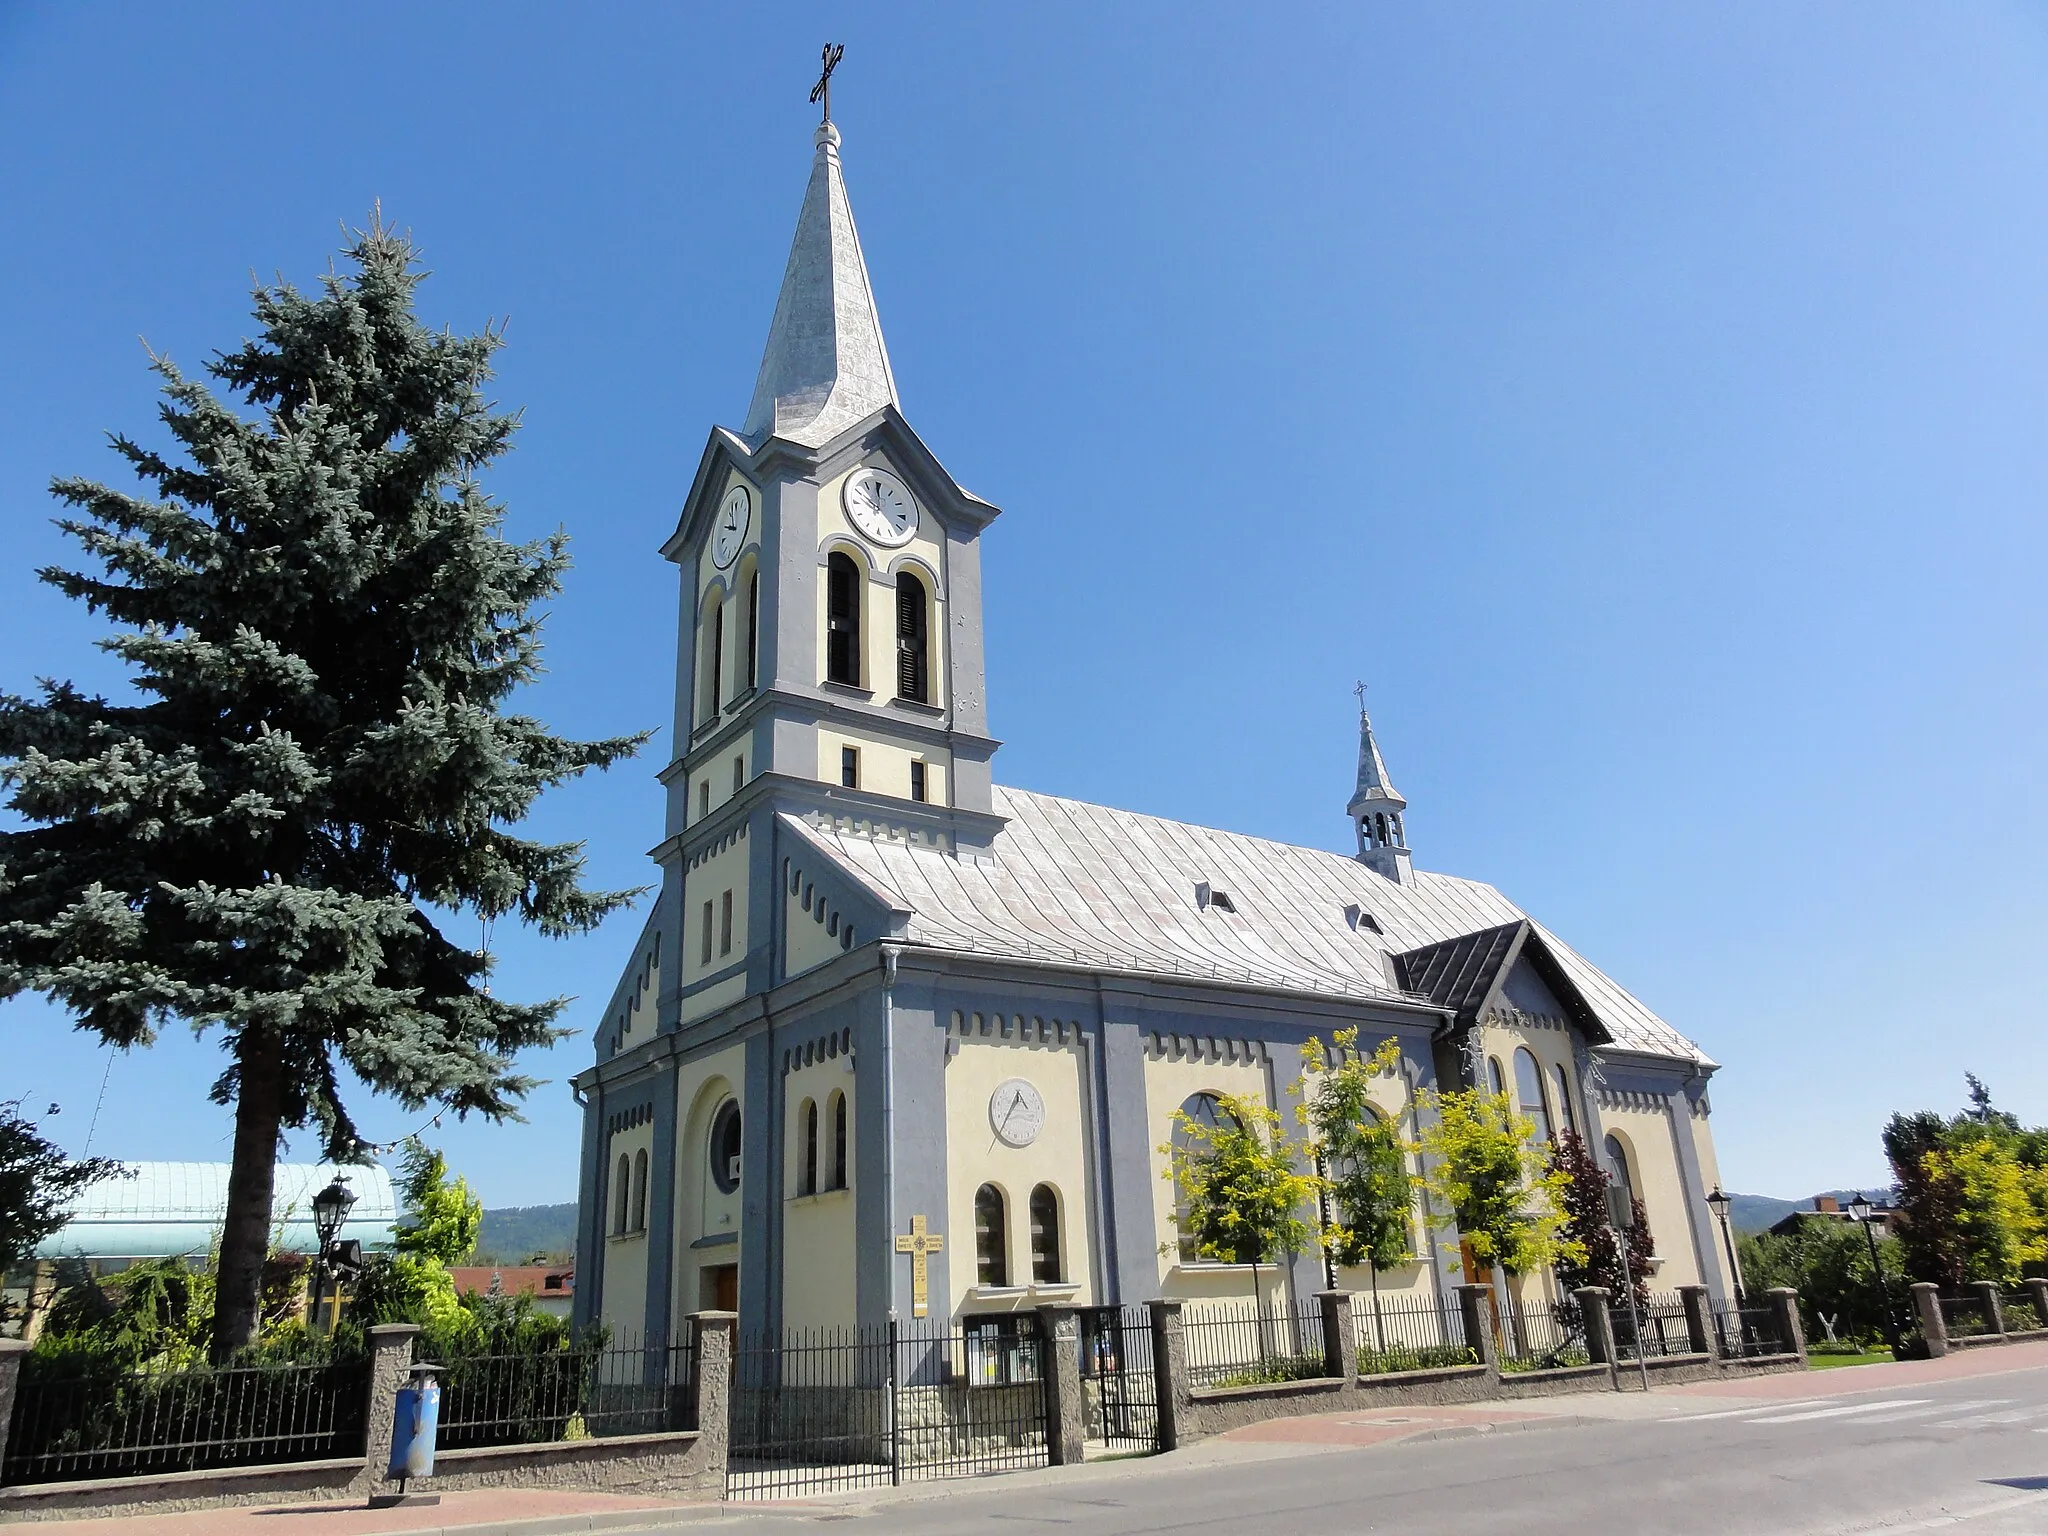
(822, 91)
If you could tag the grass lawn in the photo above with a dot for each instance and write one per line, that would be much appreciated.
(1820, 1362)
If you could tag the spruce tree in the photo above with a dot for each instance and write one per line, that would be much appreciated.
(317, 772)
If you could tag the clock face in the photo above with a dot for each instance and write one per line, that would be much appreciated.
(730, 531)
(1017, 1113)
(880, 507)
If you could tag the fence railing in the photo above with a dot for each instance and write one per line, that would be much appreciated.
(629, 1385)
(1119, 1391)
(1965, 1316)
(2022, 1314)
(1658, 1329)
(1540, 1335)
(820, 1409)
(1745, 1333)
(72, 1420)
(1408, 1333)
(1247, 1344)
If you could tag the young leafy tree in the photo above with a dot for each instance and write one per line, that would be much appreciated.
(1583, 1198)
(325, 622)
(1241, 1196)
(38, 1183)
(1483, 1168)
(1362, 1157)
(1930, 1213)
(446, 1215)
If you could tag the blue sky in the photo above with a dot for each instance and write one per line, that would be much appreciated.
(1647, 399)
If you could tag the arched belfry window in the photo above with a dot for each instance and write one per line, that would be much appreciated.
(838, 1140)
(810, 1120)
(1529, 1091)
(913, 626)
(622, 1196)
(991, 1237)
(640, 1190)
(1045, 1236)
(842, 619)
(713, 657)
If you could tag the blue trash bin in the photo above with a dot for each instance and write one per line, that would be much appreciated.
(418, 1424)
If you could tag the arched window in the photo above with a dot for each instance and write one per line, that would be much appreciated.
(622, 1196)
(913, 621)
(1045, 1236)
(753, 626)
(1565, 1112)
(640, 1190)
(714, 657)
(1529, 1091)
(842, 619)
(1495, 1076)
(838, 1140)
(1204, 1110)
(991, 1239)
(1618, 1168)
(808, 1118)
(725, 1147)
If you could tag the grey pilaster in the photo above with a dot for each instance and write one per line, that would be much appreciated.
(1933, 1327)
(917, 1050)
(1065, 1428)
(658, 1317)
(590, 1208)
(1340, 1337)
(1132, 1237)
(761, 1188)
(1169, 1371)
(390, 1365)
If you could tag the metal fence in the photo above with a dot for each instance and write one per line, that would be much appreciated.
(72, 1420)
(1540, 1335)
(1965, 1316)
(1744, 1333)
(1657, 1330)
(1119, 1392)
(1409, 1333)
(628, 1385)
(1246, 1344)
(821, 1409)
(2022, 1314)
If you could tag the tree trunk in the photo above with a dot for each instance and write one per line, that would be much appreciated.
(245, 1232)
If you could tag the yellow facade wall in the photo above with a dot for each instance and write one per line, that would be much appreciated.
(1170, 1083)
(884, 763)
(625, 1254)
(702, 1210)
(704, 892)
(1644, 1127)
(975, 1156)
(813, 932)
(818, 1232)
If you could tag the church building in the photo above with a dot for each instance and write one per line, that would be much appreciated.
(896, 1039)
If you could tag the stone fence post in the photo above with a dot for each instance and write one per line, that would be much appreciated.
(2038, 1289)
(1927, 1302)
(390, 1366)
(1065, 1422)
(1340, 1341)
(1169, 1371)
(1699, 1337)
(11, 1351)
(1473, 1304)
(1592, 1300)
(710, 1391)
(1785, 1312)
(1992, 1306)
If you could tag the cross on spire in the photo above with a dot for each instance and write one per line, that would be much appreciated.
(1358, 688)
(822, 91)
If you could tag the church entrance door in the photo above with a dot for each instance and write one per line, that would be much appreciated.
(718, 1288)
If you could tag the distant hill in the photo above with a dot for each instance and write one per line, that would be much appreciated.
(517, 1233)
(1759, 1213)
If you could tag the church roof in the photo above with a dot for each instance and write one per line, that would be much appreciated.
(1087, 885)
(825, 367)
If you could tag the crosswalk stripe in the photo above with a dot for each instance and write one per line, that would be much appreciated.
(1736, 1413)
(1843, 1410)
(2010, 1416)
(1926, 1411)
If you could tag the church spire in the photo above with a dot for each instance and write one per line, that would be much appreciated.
(1376, 808)
(825, 368)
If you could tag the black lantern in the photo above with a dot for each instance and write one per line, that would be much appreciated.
(330, 1209)
(1720, 1200)
(1859, 1208)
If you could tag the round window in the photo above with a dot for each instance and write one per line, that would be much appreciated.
(725, 1146)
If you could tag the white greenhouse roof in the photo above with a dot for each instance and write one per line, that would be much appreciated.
(174, 1210)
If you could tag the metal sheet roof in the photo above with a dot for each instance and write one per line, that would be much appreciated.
(171, 1210)
(1089, 885)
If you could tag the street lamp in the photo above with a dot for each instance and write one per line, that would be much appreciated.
(1860, 1210)
(1720, 1200)
(330, 1209)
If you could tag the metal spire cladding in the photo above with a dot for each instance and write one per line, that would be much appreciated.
(825, 368)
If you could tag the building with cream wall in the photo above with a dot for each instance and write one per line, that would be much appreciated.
(877, 987)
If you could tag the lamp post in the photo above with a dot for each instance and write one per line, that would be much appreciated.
(330, 1209)
(1720, 1200)
(1860, 1210)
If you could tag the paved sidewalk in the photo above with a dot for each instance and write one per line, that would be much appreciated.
(514, 1511)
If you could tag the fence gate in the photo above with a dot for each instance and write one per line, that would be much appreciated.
(815, 1410)
(1119, 1393)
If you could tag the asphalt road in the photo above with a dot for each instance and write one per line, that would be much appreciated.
(1968, 1455)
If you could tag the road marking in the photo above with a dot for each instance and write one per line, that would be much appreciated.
(1736, 1413)
(2011, 1416)
(1844, 1410)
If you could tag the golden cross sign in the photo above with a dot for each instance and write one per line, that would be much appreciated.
(918, 1243)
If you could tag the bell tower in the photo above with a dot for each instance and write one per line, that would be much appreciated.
(1376, 809)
